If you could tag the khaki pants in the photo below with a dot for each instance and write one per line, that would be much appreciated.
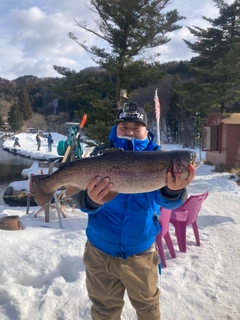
(107, 278)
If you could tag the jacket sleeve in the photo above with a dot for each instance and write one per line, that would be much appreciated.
(84, 203)
(171, 199)
(173, 195)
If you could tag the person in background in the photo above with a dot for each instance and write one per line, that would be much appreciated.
(16, 142)
(50, 142)
(120, 252)
(38, 142)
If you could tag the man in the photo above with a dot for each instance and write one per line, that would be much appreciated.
(50, 142)
(38, 142)
(120, 252)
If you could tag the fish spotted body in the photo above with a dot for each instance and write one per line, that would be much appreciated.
(129, 171)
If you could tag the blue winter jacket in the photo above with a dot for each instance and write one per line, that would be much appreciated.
(129, 223)
(50, 139)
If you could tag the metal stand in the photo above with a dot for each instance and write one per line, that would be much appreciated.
(52, 206)
(58, 210)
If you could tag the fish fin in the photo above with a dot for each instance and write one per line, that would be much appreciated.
(71, 190)
(111, 195)
(39, 195)
(109, 151)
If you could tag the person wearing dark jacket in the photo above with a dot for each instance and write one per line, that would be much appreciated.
(38, 142)
(120, 251)
(50, 142)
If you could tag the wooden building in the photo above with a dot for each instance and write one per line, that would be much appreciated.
(221, 138)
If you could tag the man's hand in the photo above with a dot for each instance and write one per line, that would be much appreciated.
(176, 182)
(99, 190)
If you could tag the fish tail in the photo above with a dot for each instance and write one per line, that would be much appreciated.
(40, 196)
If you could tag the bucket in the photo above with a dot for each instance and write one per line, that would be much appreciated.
(10, 223)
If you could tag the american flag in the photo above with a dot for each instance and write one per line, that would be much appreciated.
(157, 106)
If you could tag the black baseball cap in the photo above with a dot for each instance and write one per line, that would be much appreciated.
(138, 116)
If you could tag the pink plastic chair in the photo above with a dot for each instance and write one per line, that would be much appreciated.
(165, 218)
(187, 215)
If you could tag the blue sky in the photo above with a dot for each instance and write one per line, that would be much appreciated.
(34, 35)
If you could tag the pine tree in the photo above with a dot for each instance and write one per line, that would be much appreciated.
(173, 118)
(24, 104)
(128, 28)
(15, 117)
(216, 67)
(1, 121)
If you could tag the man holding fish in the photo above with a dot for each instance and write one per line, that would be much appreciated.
(120, 252)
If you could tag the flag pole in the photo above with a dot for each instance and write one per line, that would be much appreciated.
(157, 112)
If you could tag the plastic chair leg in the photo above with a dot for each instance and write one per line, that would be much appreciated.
(160, 250)
(181, 230)
(196, 233)
(169, 244)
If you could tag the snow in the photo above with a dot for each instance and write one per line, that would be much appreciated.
(43, 276)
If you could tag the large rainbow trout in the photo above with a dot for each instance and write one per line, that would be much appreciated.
(129, 171)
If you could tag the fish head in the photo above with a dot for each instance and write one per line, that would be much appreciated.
(181, 161)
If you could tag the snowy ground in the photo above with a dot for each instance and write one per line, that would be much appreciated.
(43, 278)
